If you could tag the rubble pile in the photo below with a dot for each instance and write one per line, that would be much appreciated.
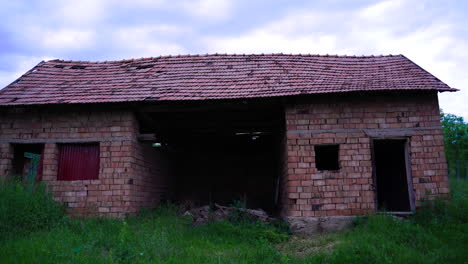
(205, 214)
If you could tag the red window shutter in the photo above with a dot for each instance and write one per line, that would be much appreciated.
(78, 162)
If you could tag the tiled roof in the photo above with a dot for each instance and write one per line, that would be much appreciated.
(203, 77)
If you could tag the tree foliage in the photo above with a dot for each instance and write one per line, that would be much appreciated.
(455, 133)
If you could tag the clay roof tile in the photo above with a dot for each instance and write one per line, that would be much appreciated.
(218, 76)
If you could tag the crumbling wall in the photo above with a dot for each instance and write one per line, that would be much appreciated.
(351, 122)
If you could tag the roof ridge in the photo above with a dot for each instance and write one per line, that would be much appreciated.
(231, 54)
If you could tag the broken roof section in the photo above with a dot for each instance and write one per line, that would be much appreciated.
(208, 77)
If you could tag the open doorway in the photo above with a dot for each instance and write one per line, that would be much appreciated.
(27, 161)
(391, 175)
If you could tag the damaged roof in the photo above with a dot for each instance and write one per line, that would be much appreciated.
(205, 77)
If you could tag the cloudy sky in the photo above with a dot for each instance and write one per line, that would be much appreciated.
(432, 33)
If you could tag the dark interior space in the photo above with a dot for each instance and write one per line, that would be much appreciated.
(27, 161)
(222, 156)
(326, 157)
(390, 175)
(224, 169)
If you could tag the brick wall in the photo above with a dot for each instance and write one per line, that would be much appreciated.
(351, 122)
(150, 182)
(132, 174)
(114, 131)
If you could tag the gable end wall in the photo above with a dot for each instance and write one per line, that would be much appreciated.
(352, 122)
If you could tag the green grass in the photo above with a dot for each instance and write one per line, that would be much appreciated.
(25, 208)
(158, 239)
(437, 234)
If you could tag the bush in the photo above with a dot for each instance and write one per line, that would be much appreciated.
(25, 208)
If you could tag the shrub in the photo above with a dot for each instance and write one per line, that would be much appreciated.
(25, 208)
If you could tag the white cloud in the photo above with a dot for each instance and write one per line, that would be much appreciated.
(263, 41)
(146, 41)
(81, 11)
(94, 10)
(382, 28)
(380, 10)
(208, 9)
(148, 31)
(21, 66)
(66, 39)
(142, 3)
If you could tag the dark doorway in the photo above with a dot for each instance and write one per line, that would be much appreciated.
(391, 175)
(27, 161)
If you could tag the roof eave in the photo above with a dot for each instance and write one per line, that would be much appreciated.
(441, 90)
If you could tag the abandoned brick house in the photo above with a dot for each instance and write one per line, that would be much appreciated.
(297, 135)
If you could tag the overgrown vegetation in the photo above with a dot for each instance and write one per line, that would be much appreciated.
(158, 237)
(455, 131)
(437, 234)
(25, 207)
